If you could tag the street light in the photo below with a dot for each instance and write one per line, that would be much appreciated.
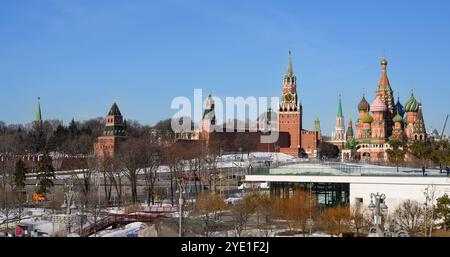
(181, 202)
(429, 198)
(69, 201)
(378, 206)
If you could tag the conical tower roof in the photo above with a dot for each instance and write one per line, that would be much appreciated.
(114, 111)
(209, 107)
(419, 124)
(350, 128)
(290, 70)
(384, 81)
(317, 124)
(38, 116)
(339, 111)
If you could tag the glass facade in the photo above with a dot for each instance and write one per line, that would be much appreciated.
(327, 194)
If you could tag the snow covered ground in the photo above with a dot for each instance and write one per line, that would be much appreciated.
(131, 229)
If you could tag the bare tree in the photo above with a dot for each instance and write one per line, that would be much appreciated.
(174, 158)
(6, 190)
(409, 216)
(106, 167)
(337, 220)
(299, 209)
(195, 158)
(208, 206)
(265, 213)
(132, 158)
(152, 161)
(242, 210)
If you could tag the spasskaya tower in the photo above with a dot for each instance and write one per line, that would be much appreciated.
(290, 112)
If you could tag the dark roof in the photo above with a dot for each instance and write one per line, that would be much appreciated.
(114, 111)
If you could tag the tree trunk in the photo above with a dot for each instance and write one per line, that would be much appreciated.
(171, 190)
(152, 192)
(133, 183)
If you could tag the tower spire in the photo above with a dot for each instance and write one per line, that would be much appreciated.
(339, 112)
(384, 81)
(290, 70)
(38, 116)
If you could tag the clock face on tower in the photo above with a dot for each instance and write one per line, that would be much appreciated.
(288, 97)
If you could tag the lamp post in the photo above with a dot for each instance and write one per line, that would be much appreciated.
(429, 198)
(310, 221)
(378, 206)
(69, 202)
(181, 202)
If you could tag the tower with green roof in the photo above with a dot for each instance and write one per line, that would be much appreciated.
(38, 115)
(113, 134)
(350, 139)
(317, 127)
(339, 131)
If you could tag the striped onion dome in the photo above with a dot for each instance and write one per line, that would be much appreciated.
(412, 105)
(377, 105)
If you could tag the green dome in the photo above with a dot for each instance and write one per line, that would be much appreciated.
(397, 118)
(367, 118)
(412, 105)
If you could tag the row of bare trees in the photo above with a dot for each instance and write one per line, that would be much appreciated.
(301, 214)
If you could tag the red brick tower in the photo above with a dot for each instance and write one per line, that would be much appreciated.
(113, 134)
(290, 112)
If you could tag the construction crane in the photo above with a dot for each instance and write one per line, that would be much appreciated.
(443, 129)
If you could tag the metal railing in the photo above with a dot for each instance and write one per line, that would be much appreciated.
(340, 169)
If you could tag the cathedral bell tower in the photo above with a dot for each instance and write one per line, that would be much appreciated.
(290, 112)
(385, 93)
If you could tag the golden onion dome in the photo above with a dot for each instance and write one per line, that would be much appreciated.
(367, 118)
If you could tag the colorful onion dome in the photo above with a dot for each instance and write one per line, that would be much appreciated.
(363, 105)
(398, 118)
(412, 105)
(367, 118)
(377, 105)
(399, 108)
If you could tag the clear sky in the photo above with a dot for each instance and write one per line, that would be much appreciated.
(80, 55)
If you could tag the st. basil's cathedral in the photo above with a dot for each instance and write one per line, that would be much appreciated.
(382, 121)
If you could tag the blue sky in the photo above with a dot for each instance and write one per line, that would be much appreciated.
(79, 56)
